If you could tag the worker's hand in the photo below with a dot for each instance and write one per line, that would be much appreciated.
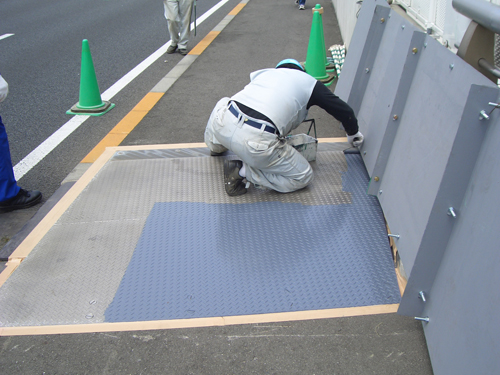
(4, 89)
(356, 140)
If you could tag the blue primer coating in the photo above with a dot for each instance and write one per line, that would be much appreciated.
(204, 260)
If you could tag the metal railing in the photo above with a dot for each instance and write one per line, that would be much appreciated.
(484, 13)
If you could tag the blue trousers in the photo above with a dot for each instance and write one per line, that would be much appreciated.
(302, 2)
(8, 184)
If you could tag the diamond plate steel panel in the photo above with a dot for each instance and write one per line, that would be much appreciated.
(71, 276)
(73, 273)
(205, 260)
(160, 154)
(142, 182)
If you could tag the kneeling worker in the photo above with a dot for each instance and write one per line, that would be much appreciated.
(253, 122)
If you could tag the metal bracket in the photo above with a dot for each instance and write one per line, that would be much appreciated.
(483, 115)
(452, 213)
(424, 319)
(421, 295)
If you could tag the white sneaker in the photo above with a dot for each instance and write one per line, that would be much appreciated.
(301, 7)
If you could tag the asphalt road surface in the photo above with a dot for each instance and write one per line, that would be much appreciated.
(40, 57)
(41, 62)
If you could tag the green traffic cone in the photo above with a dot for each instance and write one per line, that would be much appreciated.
(90, 102)
(328, 66)
(316, 61)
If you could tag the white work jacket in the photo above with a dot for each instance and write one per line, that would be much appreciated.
(280, 94)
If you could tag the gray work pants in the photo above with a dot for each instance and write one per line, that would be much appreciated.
(269, 161)
(178, 15)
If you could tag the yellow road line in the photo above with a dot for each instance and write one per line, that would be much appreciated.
(125, 126)
(204, 43)
(237, 9)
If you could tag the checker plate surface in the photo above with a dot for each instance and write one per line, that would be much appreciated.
(118, 237)
(205, 260)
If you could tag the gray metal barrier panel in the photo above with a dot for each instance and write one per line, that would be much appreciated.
(463, 333)
(419, 107)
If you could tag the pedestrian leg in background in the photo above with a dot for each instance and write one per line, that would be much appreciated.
(302, 4)
(171, 15)
(8, 184)
(178, 15)
(12, 197)
(185, 10)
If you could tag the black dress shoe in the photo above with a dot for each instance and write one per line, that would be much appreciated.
(23, 199)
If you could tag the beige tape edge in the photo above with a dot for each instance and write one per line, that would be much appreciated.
(199, 322)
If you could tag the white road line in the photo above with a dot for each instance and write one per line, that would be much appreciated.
(5, 36)
(35, 156)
